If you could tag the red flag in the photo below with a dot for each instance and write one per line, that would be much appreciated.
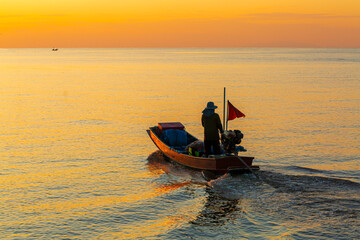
(234, 112)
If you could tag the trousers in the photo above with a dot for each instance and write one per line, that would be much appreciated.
(212, 147)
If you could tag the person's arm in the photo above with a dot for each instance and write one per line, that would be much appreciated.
(202, 120)
(219, 125)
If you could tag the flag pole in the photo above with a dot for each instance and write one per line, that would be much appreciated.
(227, 115)
(224, 108)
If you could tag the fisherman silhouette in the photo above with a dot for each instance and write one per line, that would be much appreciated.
(212, 125)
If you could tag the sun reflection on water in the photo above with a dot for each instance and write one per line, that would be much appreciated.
(75, 158)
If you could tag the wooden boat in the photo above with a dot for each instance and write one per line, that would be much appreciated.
(216, 164)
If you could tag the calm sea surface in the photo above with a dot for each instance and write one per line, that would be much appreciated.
(76, 162)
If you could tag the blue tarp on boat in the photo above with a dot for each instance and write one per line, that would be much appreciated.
(175, 137)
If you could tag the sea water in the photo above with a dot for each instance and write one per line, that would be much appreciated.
(76, 162)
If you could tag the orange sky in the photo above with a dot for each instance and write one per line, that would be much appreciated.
(179, 23)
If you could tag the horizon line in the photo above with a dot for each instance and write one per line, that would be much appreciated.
(189, 47)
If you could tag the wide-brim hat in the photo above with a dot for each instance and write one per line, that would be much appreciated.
(211, 105)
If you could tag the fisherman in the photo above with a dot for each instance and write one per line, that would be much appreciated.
(212, 125)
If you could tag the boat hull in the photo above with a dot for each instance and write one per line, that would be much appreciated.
(218, 165)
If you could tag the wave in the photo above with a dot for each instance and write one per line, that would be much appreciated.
(305, 169)
(287, 182)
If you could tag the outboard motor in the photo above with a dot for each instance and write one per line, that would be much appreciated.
(229, 140)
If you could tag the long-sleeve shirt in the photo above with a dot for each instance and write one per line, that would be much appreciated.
(212, 125)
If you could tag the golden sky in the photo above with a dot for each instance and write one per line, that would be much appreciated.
(179, 23)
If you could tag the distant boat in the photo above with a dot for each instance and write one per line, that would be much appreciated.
(55, 49)
(217, 164)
